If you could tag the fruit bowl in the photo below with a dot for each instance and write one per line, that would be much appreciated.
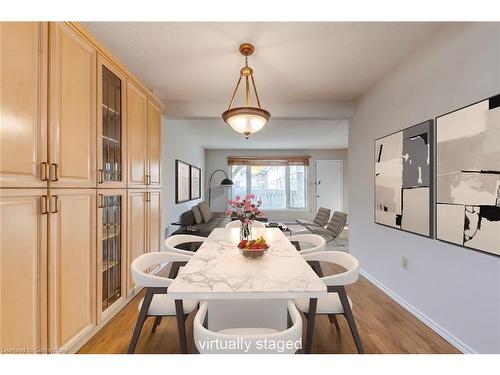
(253, 248)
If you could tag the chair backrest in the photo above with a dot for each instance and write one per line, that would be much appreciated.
(237, 223)
(179, 239)
(346, 260)
(318, 242)
(203, 337)
(145, 261)
(337, 223)
(322, 216)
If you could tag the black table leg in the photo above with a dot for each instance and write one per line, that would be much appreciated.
(311, 317)
(181, 326)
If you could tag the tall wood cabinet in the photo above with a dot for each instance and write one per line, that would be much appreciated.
(79, 175)
(23, 104)
(23, 269)
(72, 109)
(72, 265)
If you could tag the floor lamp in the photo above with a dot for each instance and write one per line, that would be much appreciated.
(226, 182)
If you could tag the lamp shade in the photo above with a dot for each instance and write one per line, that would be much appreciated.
(246, 120)
(226, 182)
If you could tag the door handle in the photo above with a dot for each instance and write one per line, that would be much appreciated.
(100, 178)
(147, 179)
(100, 203)
(44, 171)
(43, 205)
(56, 204)
(56, 171)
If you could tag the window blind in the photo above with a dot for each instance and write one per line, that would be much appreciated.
(268, 160)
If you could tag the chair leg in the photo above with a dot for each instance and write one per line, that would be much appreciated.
(181, 326)
(333, 320)
(311, 316)
(143, 314)
(350, 319)
(156, 324)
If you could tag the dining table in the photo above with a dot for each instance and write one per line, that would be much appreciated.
(247, 292)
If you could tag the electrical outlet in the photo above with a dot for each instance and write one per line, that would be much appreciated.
(404, 263)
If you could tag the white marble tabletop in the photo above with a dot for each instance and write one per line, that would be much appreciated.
(219, 271)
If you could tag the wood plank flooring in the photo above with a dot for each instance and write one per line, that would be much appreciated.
(384, 327)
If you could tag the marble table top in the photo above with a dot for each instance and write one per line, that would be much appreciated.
(219, 271)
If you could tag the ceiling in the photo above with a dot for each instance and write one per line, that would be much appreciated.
(303, 70)
(277, 134)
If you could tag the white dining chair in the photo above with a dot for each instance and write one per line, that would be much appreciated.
(253, 337)
(156, 303)
(172, 242)
(318, 243)
(336, 301)
(237, 224)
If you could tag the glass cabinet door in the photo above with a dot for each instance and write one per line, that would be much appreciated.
(111, 126)
(111, 222)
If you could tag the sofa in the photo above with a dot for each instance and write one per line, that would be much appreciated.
(201, 218)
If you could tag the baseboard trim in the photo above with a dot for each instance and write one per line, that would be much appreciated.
(453, 340)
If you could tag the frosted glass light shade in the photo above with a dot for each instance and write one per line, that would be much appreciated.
(246, 120)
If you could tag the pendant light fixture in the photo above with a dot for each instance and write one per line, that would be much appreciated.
(247, 119)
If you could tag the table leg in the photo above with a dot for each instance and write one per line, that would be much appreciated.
(181, 326)
(311, 317)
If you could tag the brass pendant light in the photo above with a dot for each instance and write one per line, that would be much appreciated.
(246, 119)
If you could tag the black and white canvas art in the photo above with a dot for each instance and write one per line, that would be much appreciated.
(403, 179)
(468, 176)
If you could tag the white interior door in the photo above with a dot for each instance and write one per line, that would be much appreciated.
(329, 184)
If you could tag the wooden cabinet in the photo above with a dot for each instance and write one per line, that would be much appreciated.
(72, 109)
(111, 249)
(136, 230)
(154, 220)
(23, 265)
(137, 136)
(154, 145)
(23, 104)
(111, 125)
(72, 265)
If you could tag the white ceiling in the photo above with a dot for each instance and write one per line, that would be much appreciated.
(302, 70)
(213, 133)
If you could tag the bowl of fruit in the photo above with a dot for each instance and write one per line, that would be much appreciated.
(253, 248)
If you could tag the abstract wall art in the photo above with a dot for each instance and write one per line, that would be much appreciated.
(195, 182)
(403, 179)
(468, 176)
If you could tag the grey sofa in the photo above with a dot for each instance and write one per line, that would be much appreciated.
(203, 228)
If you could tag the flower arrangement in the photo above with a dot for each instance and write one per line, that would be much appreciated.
(246, 210)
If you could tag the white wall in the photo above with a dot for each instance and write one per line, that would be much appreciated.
(178, 141)
(217, 159)
(457, 289)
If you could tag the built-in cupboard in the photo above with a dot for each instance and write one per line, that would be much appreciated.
(78, 200)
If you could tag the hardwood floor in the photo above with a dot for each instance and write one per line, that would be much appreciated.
(384, 327)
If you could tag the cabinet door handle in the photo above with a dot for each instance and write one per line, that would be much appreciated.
(147, 196)
(44, 205)
(44, 171)
(149, 179)
(56, 171)
(55, 210)
(100, 204)
(100, 176)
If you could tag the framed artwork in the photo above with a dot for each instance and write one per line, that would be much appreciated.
(195, 182)
(404, 179)
(182, 181)
(468, 176)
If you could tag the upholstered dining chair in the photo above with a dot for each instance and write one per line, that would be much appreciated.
(156, 303)
(318, 243)
(319, 220)
(252, 336)
(336, 302)
(237, 223)
(172, 243)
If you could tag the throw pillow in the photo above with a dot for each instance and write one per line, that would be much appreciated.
(197, 214)
(205, 212)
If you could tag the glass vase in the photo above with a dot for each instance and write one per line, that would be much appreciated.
(245, 231)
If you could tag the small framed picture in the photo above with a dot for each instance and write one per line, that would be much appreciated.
(195, 182)
(182, 181)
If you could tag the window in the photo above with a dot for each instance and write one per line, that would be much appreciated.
(278, 186)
